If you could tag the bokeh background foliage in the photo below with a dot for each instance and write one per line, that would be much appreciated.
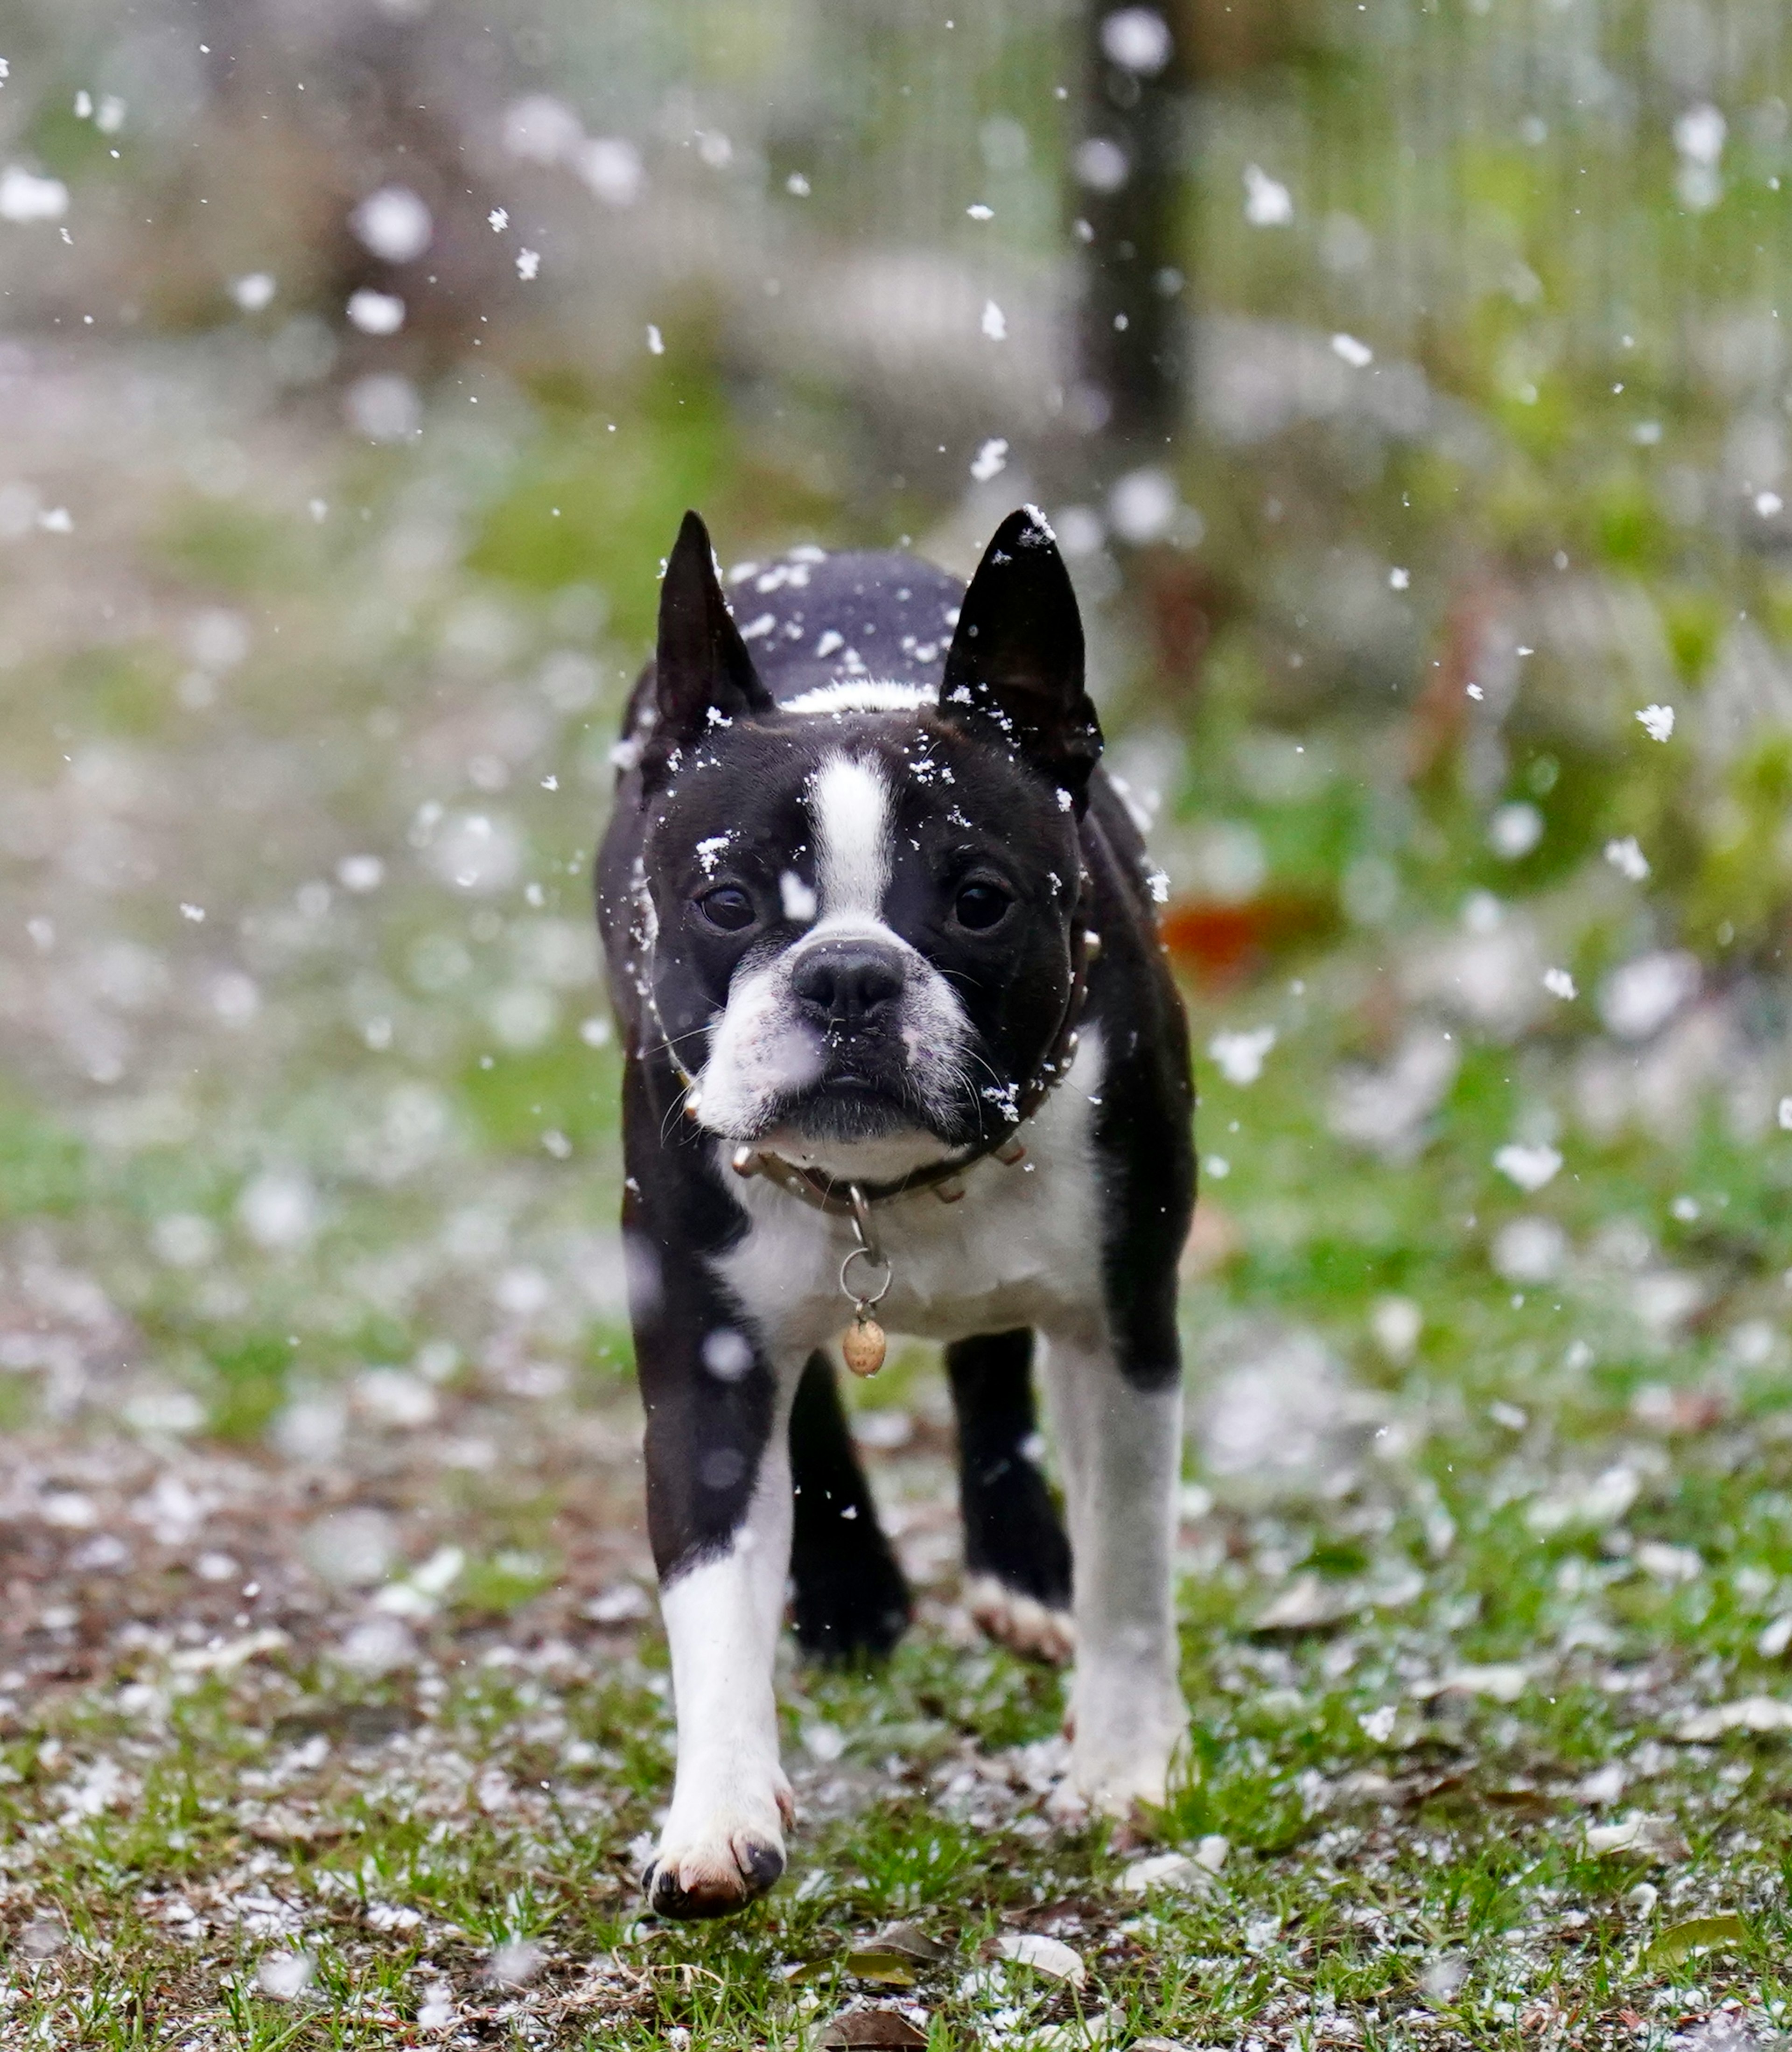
(1407, 383)
(1463, 441)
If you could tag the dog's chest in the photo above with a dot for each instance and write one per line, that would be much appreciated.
(1022, 1247)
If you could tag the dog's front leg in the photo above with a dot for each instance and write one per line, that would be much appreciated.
(723, 1841)
(1119, 1439)
(719, 1515)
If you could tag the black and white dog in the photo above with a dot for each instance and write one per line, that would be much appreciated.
(899, 1034)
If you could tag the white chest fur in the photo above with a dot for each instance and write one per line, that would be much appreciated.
(1022, 1246)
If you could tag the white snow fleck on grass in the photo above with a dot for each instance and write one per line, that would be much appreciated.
(26, 197)
(376, 313)
(1268, 202)
(1241, 1054)
(1514, 830)
(1627, 858)
(1529, 1167)
(1639, 998)
(394, 224)
(283, 1977)
(610, 166)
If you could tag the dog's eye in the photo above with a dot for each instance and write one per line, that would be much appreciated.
(980, 906)
(728, 908)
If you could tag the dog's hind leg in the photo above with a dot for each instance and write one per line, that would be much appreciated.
(850, 1596)
(1017, 1562)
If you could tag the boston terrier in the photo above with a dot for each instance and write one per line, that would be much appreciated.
(903, 1048)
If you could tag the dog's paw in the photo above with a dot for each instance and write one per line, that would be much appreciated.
(1128, 1730)
(1118, 1789)
(729, 1864)
(1020, 1622)
(1119, 1773)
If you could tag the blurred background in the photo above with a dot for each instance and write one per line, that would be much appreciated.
(1408, 385)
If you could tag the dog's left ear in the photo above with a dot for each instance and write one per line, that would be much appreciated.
(1015, 662)
(702, 674)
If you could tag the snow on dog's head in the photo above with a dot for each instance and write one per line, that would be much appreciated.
(856, 891)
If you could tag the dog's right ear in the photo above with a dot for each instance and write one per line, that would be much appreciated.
(703, 675)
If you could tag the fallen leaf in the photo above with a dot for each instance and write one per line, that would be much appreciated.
(1698, 1934)
(1750, 1714)
(227, 1658)
(1637, 1836)
(871, 2026)
(1309, 1603)
(1160, 1870)
(280, 1825)
(1313, 1602)
(1530, 1802)
(873, 1963)
(911, 1943)
(1503, 1683)
(1051, 1956)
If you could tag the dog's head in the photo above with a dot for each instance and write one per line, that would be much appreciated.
(856, 908)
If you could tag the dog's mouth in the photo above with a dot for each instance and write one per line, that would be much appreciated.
(853, 1099)
(866, 1089)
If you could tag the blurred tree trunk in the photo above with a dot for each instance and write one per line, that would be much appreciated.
(1129, 168)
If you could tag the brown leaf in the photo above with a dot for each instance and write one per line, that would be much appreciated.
(280, 1826)
(911, 1943)
(873, 2028)
(1530, 1802)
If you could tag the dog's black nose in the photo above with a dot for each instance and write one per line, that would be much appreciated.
(850, 984)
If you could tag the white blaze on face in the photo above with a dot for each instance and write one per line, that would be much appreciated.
(849, 802)
(765, 1049)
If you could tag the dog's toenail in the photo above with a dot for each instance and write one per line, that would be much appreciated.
(762, 1864)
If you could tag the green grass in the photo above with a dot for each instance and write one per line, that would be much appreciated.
(1401, 1866)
